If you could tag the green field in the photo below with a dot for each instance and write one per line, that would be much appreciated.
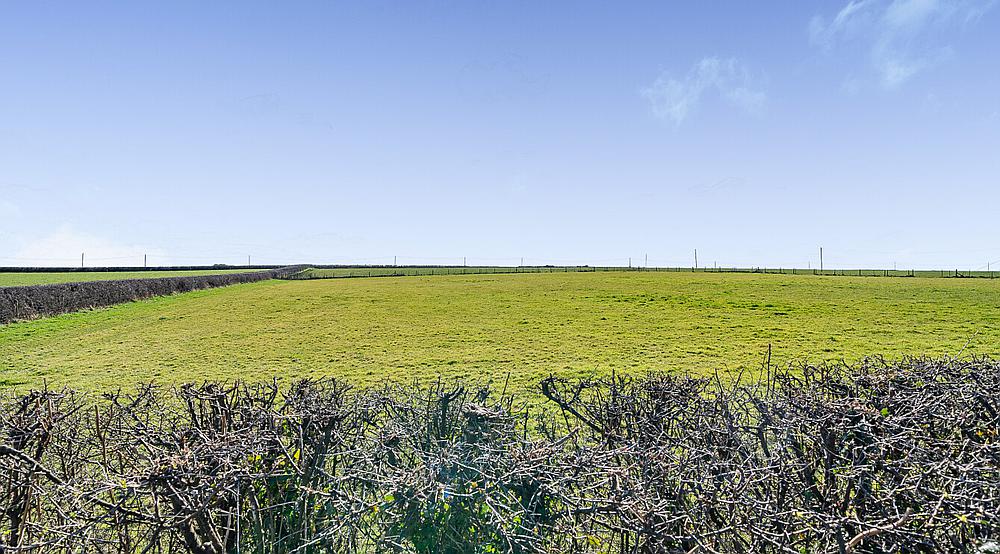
(23, 279)
(486, 326)
(403, 271)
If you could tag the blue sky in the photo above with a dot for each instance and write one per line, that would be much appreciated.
(561, 132)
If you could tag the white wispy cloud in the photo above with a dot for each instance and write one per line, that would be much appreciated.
(901, 37)
(674, 99)
(63, 246)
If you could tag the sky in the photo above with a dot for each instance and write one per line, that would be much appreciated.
(553, 132)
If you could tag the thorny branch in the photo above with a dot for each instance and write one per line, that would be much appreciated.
(881, 457)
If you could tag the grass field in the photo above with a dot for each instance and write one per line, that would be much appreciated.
(404, 271)
(22, 279)
(400, 271)
(478, 326)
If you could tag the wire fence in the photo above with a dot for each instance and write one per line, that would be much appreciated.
(345, 271)
(339, 272)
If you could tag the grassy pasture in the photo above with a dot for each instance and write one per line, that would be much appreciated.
(404, 271)
(23, 279)
(417, 271)
(486, 326)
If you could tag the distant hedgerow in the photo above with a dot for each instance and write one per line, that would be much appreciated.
(30, 302)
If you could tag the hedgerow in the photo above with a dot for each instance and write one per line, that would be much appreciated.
(30, 302)
(881, 457)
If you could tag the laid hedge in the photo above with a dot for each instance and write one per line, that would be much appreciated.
(30, 302)
(872, 459)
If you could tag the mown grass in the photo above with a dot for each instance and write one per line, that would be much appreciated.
(23, 279)
(488, 326)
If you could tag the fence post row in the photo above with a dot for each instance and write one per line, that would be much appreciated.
(385, 271)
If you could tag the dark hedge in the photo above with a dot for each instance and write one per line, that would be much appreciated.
(132, 269)
(30, 302)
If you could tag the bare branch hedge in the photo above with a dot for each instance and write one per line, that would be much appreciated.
(879, 458)
(30, 302)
